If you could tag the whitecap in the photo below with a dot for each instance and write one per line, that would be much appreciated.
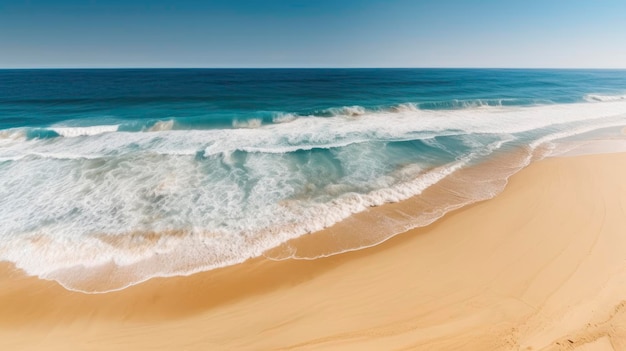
(70, 132)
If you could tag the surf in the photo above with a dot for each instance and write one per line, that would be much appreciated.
(122, 198)
(160, 173)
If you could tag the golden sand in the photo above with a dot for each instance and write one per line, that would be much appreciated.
(540, 267)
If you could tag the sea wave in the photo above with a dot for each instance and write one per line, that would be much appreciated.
(161, 126)
(10, 136)
(312, 132)
(604, 98)
(467, 104)
(351, 111)
(282, 117)
(70, 132)
(248, 123)
(168, 201)
(135, 248)
(253, 121)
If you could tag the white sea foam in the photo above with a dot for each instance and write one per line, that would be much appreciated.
(468, 104)
(351, 111)
(199, 199)
(321, 132)
(407, 107)
(604, 98)
(12, 134)
(589, 147)
(69, 132)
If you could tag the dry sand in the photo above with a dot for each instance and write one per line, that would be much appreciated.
(540, 267)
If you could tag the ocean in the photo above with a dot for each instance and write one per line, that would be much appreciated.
(142, 173)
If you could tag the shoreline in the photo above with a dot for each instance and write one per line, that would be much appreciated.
(501, 274)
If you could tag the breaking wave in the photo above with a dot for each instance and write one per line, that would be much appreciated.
(159, 199)
(604, 98)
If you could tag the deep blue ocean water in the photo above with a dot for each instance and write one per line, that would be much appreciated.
(167, 171)
(210, 98)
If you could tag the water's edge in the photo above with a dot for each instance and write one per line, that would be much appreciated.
(377, 223)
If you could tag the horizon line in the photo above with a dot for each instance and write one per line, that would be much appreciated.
(304, 67)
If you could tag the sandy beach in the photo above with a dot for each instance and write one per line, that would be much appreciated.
(540, 267)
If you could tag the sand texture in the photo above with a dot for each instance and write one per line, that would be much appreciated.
(540, 267)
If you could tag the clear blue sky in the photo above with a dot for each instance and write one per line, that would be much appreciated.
(313, 33)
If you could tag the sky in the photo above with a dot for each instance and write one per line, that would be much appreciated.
(313, 33)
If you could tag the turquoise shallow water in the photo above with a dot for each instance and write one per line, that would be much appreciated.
(166, 172)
